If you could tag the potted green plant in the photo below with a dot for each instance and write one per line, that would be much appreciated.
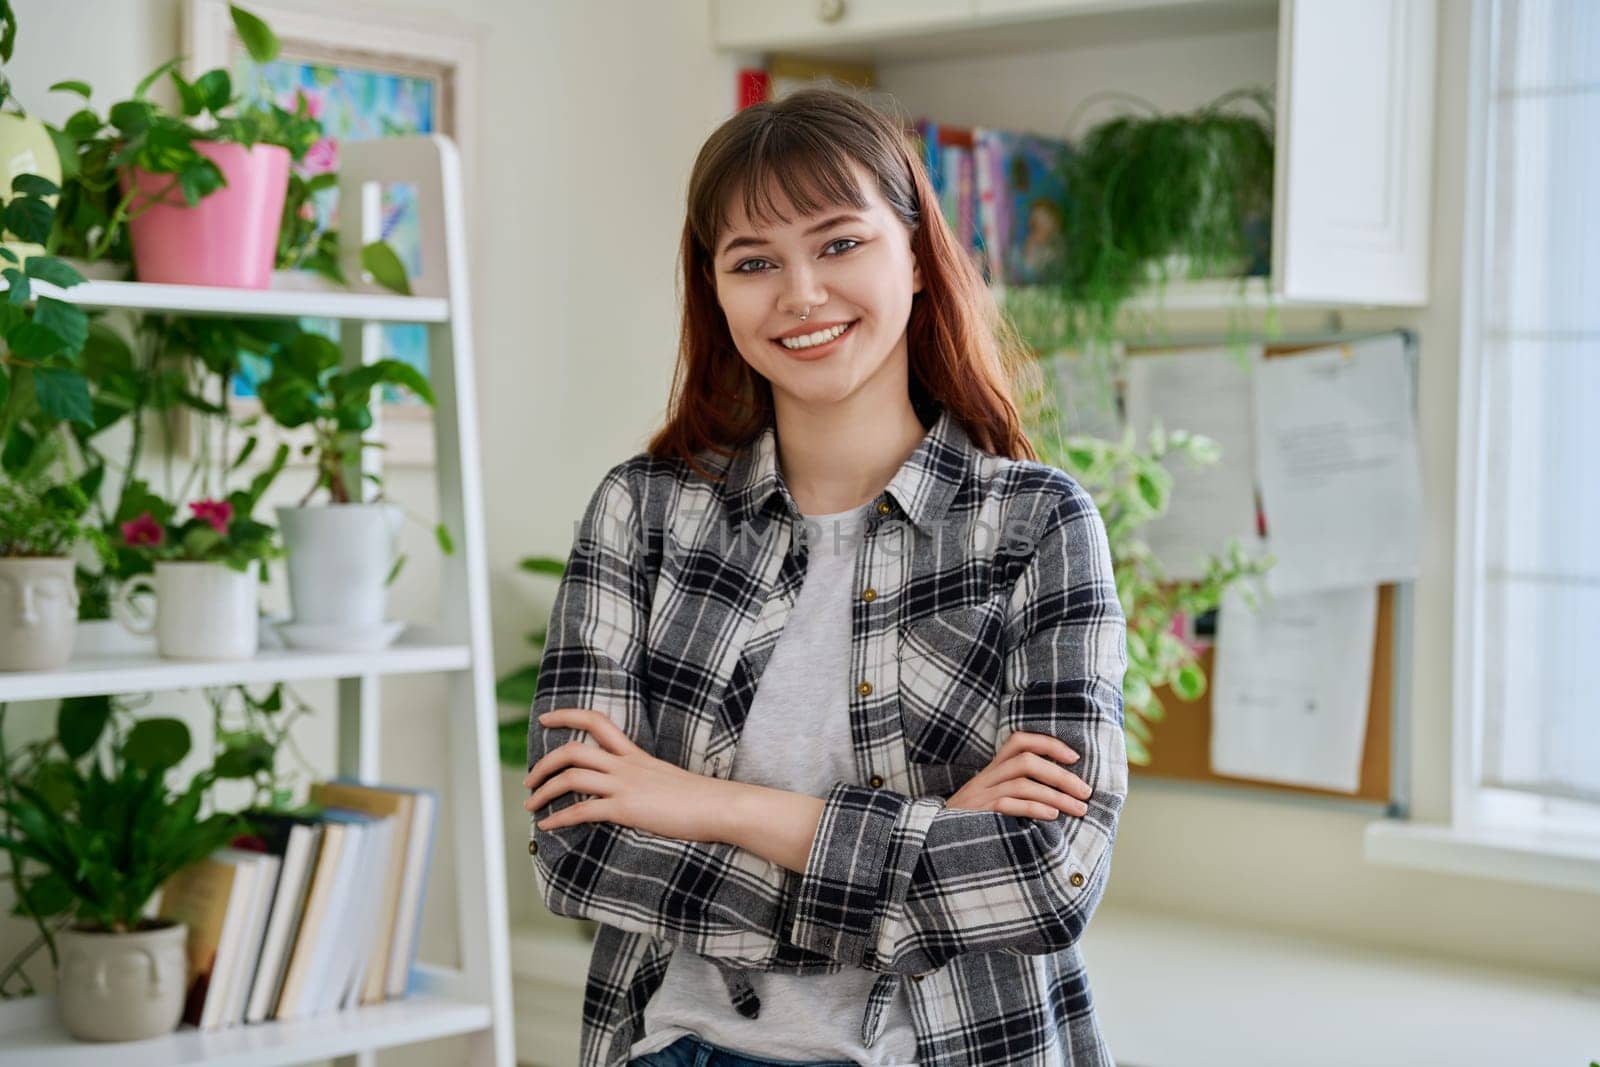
(1151, 198)
(202, 190)
(206, 571)
(96, 846)
(342, 552)
(40, 523)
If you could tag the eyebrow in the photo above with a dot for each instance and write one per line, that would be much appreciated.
(756, 242)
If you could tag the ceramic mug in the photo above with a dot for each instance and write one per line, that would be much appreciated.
(202, 610)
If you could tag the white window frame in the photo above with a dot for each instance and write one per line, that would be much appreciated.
(1492, 832)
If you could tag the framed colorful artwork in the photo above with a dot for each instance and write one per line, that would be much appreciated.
(365, 73)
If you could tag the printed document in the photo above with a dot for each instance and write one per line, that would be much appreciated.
(1290, 687)
(1340, 473)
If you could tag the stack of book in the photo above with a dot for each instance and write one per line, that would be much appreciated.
(1004, 195)
(313, 913)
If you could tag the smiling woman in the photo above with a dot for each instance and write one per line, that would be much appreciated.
(828, 776)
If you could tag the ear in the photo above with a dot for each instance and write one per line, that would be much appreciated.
(916, 276)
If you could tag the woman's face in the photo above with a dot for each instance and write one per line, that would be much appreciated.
(853, 269)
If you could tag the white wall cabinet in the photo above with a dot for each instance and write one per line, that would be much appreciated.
(1354, 101)
(809, 23)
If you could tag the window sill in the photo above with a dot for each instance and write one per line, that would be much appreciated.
(1531, 858)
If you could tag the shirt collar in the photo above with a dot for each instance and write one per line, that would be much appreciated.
(921, 489)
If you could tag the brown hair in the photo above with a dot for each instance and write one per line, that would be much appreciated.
(962, 354)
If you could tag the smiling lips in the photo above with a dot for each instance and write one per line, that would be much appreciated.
(815, 342)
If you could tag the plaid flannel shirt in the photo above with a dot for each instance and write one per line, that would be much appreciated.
(986, 605)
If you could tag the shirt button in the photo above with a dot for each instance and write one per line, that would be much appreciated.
(869, 594)
(1076, 879)
(876, 781)
(883, 507)
(533, 848)
(865, 689)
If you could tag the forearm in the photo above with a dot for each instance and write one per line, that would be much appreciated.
(775, 824)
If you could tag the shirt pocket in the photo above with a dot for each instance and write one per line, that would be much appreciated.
(949, 671)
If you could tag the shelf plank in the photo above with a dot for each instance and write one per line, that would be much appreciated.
(31, 1033)
(288, 297)
(417, 651)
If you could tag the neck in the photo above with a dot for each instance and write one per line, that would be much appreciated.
(839, 457)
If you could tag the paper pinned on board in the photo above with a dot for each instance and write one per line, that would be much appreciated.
(1290, 687)
(1340, 472)
(1204, 391)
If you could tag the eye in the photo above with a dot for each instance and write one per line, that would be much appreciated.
(740, 269)
(851, 241)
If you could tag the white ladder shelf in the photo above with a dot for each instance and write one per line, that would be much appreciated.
(475, 1000)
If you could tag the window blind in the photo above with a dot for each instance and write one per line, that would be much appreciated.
(1540, 404)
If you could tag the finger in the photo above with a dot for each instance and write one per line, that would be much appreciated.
(583, 811)
(1028, 789)
(1032, 765)
(571, 754)
(1026, 809)
(1049, 746)
(575, 780)
(597, 723)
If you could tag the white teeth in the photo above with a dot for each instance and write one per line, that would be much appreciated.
(811, 339)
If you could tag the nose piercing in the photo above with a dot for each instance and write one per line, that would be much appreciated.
(806, 313)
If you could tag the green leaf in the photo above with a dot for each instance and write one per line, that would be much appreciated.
(215, 88)
(66, 321)
(19, 289)
(52, 270)
(441, 534)
(34, 185)
(258, 38)
(150, 79)
(29, 218)
(189, 101)
(63, 394)
(518, 687)
(513, 738)
(1190, 682)
(380, 260)
(544, 565)
(156, 744)
(81, 88)
(80, 722)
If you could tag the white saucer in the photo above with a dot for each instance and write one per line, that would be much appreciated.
(324, 637)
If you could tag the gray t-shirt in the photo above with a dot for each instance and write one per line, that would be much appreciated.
(796, 737)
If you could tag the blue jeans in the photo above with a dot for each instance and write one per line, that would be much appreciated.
(690, 1051)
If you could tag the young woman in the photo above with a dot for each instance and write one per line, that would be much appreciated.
(828, 729)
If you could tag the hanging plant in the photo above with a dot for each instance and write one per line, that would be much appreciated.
(1151, 198)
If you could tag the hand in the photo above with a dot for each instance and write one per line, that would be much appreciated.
(629, 786)
(1023, 779)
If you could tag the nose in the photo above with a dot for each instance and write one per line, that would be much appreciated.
(802, 290)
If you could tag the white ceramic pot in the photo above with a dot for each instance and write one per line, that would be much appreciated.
(203, 610)
(38, 613)
(122, 987)
(339, 559)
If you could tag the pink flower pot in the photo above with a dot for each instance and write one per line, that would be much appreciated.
(230, 238)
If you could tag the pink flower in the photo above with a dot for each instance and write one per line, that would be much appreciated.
(322, 156)
(144, 530)
(217, 512)
(313, 103)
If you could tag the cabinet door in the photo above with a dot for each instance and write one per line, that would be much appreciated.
(779, 25)
(1355, 150)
